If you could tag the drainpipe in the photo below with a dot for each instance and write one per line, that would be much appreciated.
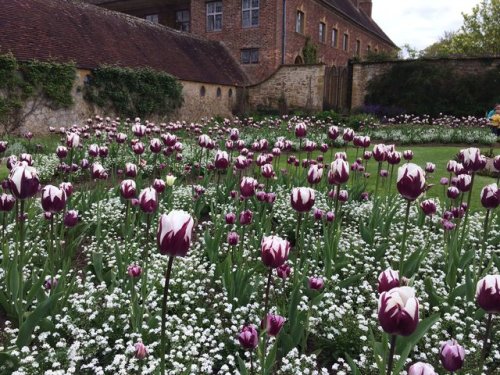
(283, 35)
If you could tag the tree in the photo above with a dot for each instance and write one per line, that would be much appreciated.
(478, 36)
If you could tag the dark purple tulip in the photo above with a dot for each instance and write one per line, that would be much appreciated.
(248, 337)
(71, 218)
(221, 160)
(333, 133)
(283, 271)
(393, 157)
(61, 152)
(130, 170)
(246, 217)
(330, 216)
(134, 270)
(452, 355)
(141, 351)
(98, 171)
(398, 311)
(488, 294)
(302, 199)
(343, 196)
(230, 218)
(314, 174)
(148, 200)
(138, 148)
(448, 225)
(464, 182)
(471, 159)
(348, 135)
(93, 150)
(7, 202)
(233, 238)
(380, 152)
(11, 162)
(339, 172)
(174, 233)
(274, 323)
(300, 130)
(50, 283)
(53, 199)
(128, 189)
(103, 151)
(430, 167)
(247, 187)
(496, 163)
(155, 145)
(408, 154)
(67, 187)
(388, 280)
(27, 158)
(274, 251)
(3, 146)
(490, 196)
(159, 185)
(410, 181)
(316, 283)
(23, 181)
(428, 207)
(270, 198)
(84, 164)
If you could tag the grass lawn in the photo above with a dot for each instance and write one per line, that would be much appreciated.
(439, 155)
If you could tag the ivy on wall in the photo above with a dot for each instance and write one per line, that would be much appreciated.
(423, 87)
(134, 92)
(36, 82)
(310, 52)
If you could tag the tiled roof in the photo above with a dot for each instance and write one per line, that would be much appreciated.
(66, 30)
(347, 8)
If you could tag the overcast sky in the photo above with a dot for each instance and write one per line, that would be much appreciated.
(419, 22)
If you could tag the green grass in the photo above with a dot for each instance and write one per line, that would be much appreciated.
(439, 155)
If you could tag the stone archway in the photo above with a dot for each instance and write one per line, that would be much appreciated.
(299, 60)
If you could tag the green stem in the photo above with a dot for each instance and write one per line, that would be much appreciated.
(266, 297)
(465, 222)
(164, 314)
(297, 234)
(484, 352)
(403, 245)
(391, 354)
(378, 179)
(483, 249)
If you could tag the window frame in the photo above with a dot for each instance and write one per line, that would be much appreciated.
(300, 26)
(155, 17)
(213, 14)
(322, 32)
(251, 10)
(345, 42)
(183, 22)
(358, 47)
(335, 37)
(253, 56)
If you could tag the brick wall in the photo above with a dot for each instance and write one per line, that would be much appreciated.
(301, 86)
(363, 72)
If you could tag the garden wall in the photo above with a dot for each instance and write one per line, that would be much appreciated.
(299, 86)
(363, 72)
(38, 117)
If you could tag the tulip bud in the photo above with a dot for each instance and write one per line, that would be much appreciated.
(283, 271)
(496, 163)
(274, 251)
(444, 181)
(393, 157)
(316, 283)
(343, 196)
(233, 238)
(134, 270)
(246, 217)
(174, 233)
(380, 153)
(247, 187)
(155, 145)
(170, 180)
(148, 200)
(333, 132)
(464, 182)
(314, 174)
(267, 170)
(159, 185)
(488, 294)
(302, 199)
(71, 218)
(410, 181)
(230, 218)
(141, 351)
(53, 199)
(61, 152)
(452, 355)
(471, 159)
(421, 368)
(348, 135)
(23, 181)
(452, 192)
(138, 148)
(408, 154)
(330, 216)
(398, 311)
(248, 337)
(128, 189)
(221, 160)
(3, 146)
(300, 130)
(428, 207)
(430, 167)
(490, 196)
(388, 280)
(139, 130)
(274, 323)
(7, 202)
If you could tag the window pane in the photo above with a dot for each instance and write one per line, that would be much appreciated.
(255, 3)
(246, 4)
(218, 22)
(210, 23)
(245, 57)
(255, 18)
(218, 7)
(210, 8)
(246, 18)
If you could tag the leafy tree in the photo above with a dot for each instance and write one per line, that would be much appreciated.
(478, 36)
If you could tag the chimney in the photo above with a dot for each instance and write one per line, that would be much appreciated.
(366, 6)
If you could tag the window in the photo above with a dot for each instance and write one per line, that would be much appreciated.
(230, 93)
(345, 42)
(202, 91)
(152, 18)
(299, 22)
(335, 38)
(369, 48)
(182, 19)
(250, 56)
(322, 32)
(250, 15)
(214, 16)
(219, 92)
(358, 47)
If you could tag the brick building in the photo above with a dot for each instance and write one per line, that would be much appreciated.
(264, 34)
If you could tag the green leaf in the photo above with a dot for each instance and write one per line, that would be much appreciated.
(241, 366)
(352, 365)
(271, 359)
(33, 319)
(351, 280)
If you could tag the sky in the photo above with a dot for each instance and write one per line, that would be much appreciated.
(419, 22)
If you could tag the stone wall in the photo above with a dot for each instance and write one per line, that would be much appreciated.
(218, 100)
(363, 72)
(301, 86)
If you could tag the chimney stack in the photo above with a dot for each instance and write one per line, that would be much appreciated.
(365, 6)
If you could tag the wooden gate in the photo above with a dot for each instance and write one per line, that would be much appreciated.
(336, 89)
